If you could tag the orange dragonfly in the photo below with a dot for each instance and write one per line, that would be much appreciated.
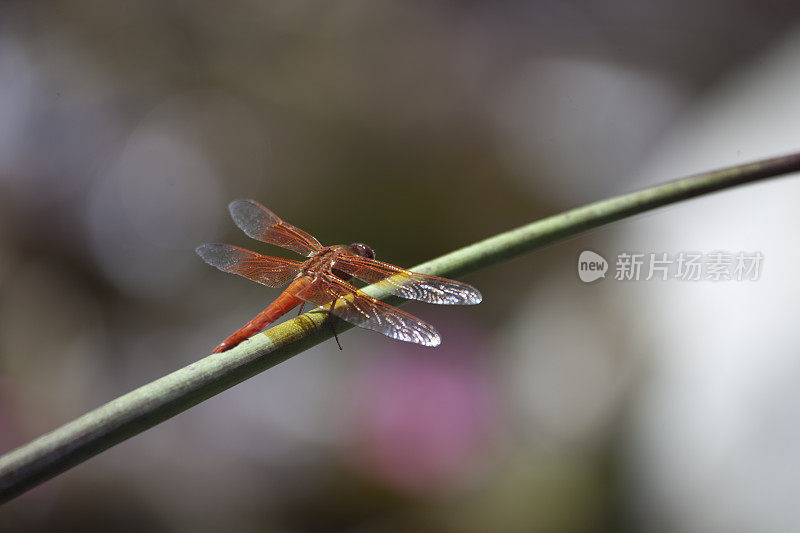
(322, 279)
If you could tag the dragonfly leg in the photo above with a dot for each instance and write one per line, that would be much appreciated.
(333, 328)
(302, 304)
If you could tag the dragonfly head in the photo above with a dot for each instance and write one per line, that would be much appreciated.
(362, 250)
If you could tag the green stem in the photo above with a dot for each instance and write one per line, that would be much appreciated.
(128, 415)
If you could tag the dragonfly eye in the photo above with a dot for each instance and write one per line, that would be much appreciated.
(362, 250)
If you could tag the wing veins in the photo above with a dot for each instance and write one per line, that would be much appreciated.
(408, 284)
(359, 308)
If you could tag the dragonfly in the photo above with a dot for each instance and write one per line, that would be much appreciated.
(323, 279)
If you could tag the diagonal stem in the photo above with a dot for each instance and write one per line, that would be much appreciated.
(151, 404)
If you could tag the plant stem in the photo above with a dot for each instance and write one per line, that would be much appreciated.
(128, 415)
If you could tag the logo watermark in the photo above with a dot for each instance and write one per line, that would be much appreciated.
(681, 266)
(591, 266)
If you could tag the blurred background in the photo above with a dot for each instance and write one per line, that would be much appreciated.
(416, 127)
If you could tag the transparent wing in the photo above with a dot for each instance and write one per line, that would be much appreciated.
(358, 308)
(264, 269)
(261, 224)
(407, 284)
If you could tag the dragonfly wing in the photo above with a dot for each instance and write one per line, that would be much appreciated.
(264, 269)
(263, 225)
(407, 284)
(364, 311)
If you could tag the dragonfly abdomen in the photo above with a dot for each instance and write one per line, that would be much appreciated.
(282, 305)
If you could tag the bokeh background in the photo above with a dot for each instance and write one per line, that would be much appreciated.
(417, 127)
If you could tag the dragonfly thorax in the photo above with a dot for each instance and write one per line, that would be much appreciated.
(324, 261)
